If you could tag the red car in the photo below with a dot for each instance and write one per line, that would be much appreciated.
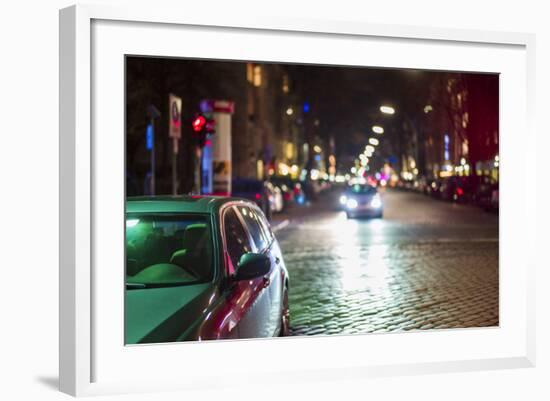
(202, 268)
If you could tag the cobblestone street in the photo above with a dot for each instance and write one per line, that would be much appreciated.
(427, 264)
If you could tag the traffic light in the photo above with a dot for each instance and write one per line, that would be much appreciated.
(199, 123)
(203, 126)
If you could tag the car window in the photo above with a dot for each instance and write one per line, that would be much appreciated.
(257, 231)
(236, 238)
(168, 250)
(362, 189)
(265, 226)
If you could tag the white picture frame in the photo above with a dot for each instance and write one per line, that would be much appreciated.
(89, 364)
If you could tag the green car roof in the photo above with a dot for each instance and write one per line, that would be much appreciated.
(178, 204)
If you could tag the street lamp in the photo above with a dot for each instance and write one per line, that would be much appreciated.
(387, 109)
(377, 129)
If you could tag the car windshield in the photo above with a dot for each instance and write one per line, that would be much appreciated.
(362, 189)
(166, 250)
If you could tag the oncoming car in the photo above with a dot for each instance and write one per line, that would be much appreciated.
(202, 268)
(362, 200)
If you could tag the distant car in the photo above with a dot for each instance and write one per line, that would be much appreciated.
(202, 268)
(256, 191)
(362, 200)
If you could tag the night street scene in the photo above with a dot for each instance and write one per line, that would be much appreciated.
(268, 199)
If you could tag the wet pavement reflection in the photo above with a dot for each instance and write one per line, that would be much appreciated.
(426, 264)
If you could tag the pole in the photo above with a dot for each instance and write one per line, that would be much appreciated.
(153, 156)
(174, 166)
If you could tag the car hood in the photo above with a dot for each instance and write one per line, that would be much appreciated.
(163, 314)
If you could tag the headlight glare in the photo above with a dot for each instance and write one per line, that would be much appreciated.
(351, 203)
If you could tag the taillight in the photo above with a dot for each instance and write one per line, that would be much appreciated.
(459, 191)
(258, 196)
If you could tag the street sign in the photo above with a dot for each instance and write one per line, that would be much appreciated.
(149, 137)
(175, 117)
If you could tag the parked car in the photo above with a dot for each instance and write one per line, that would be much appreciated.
(202, 268)
(486, 194)
(256, 191)
(276, 202)
(433, 189)
(362, 200)
(450, 189)
(291, 190)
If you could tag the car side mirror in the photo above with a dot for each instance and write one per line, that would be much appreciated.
(252, 265)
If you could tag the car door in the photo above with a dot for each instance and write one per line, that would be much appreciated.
(248, 298)
(263, 240)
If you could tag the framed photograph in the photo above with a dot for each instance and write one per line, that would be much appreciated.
(292, 200)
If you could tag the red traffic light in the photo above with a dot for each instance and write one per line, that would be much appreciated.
(198, 123)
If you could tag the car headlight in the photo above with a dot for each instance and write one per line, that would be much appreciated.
(376, 202)
(343, 199)
(351, 203)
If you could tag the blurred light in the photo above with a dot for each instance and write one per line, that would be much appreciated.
(283, 169)
(306, 107)
(428, 108)
(351, 204)
(496, 158)
(377, 176)
(415, 171)
(377, 129)
(314, 174)
(317, 149)
(340, 178)
(369, 148)
(347, 176)
(131, 223)
(343, 199)
(463, 161)
(353, 170)
(289, 111)
(387, 109)
(374, 141)
(198, 123)
(258, 196)
(383, 182)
